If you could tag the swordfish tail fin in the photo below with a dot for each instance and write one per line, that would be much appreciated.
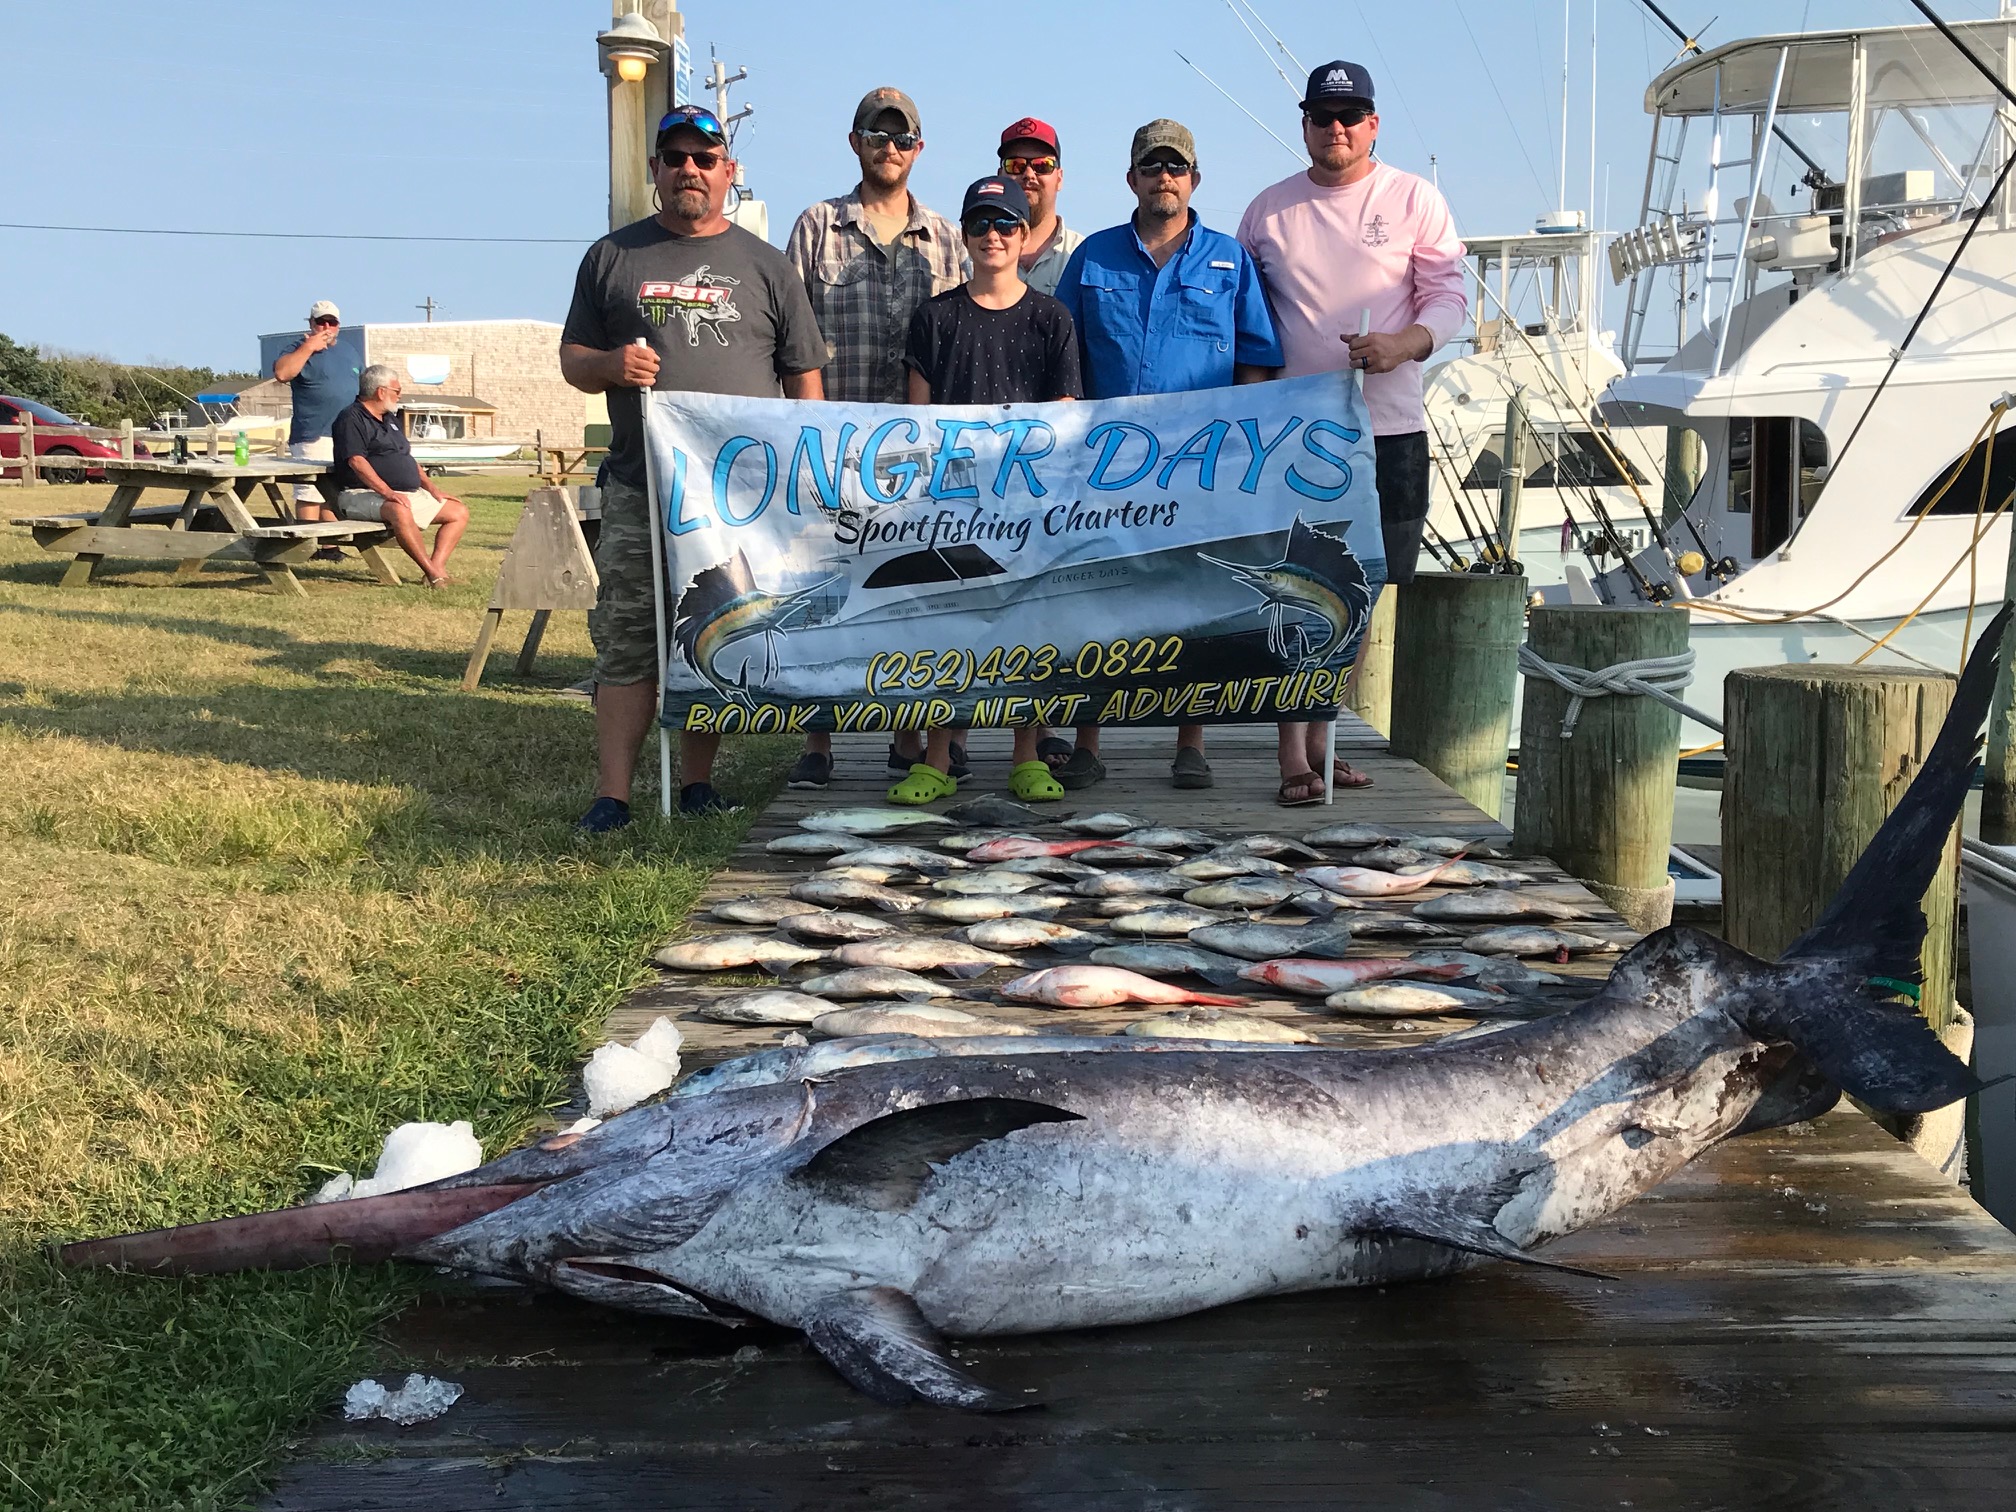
(1830, 994)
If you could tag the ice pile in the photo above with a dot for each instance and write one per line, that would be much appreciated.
(414, 1154)
(622, 1076)
(421, 1398)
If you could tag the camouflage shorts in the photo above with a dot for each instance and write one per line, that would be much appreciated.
(626, 641)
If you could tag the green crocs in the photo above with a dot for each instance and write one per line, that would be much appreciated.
(1032, 783)
(925, 784)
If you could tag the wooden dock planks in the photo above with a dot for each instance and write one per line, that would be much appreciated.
(1802, 1319)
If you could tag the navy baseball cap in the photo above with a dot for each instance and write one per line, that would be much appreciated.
(1337, 84)
(996, 192)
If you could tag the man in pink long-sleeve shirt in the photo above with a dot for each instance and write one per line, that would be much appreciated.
(1350, 235)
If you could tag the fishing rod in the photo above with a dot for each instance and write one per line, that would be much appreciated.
(1483, 531)
(1438, 455)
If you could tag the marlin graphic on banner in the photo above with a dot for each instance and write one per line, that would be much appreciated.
(722, 608)
(1317, 577)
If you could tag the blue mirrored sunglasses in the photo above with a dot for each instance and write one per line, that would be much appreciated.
(699, 118)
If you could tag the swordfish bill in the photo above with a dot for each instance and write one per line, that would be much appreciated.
(883, 1208)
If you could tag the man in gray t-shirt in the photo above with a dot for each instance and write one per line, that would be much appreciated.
(720, 312)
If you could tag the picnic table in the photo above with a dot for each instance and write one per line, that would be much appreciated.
(223, 511)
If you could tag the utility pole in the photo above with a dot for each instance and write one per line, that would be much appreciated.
(430, 307)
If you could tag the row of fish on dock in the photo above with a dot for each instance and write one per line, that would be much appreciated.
(894, 932)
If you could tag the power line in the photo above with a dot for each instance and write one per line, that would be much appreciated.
(353, 236)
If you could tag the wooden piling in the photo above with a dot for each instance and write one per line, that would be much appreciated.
(1370, 695)
(1455, 658)
(1818, 756)
(1599, 802)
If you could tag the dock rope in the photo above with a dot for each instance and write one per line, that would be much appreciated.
(1659, 677)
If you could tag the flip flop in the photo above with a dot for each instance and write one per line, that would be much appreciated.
(925, 784)
(1032, 783)
(1345, 775)
(1052, 747)
(1301, 782)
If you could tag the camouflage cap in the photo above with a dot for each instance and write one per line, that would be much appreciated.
(1171, 135)
(887, 97)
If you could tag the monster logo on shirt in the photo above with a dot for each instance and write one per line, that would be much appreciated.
(699, 299)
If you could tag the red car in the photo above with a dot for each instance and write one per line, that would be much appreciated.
(54, 451)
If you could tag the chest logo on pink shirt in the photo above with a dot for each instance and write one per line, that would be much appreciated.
(1375, 232)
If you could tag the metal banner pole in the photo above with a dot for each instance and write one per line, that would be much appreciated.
(657, 602)
(1330, 730)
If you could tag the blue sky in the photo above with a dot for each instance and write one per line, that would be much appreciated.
(452, 117)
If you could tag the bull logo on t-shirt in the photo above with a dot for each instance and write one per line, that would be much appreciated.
(700, 299)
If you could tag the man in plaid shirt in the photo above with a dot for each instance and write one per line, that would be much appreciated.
(869, 258)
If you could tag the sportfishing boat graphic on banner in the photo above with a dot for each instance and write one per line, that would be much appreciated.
(1208, 557)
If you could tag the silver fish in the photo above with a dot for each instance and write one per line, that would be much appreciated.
(874, 982)
(1093, 986)
(1109, 822)
(1116, 884)
(1117, 854)
(1390, 857)
(1496, 903)
(1531, 940)
(1166, 958)
(1467, 873)
(875, 874)
(966, 840)
(1057, 868)
(832, 892)
(925, 1019)
(975, 910)
(1271, 846)
(1319, 904)
(1375, 924)
(1505, 973)
(1451, 845)
(1218, 868)
(877, 821)
(1165, 919)
(1168, 837)
(769, 1006)
(726, 952)
(993, 809)
(988, 884)
(917, 858)
(924, 953)
(1242, 892)
(1351, 836)
(814, 843)
(839, 925)
(1399, 999)
(1217, 1024)
(1029, 934)
(1273, 942)
(756, 909)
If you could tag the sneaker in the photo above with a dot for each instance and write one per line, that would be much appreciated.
(604, 815)
(1190, 769)
(327, 554)
(959, 769)
(699, 798)
(813, 769)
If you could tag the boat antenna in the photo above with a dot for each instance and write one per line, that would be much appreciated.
(1243, 110)
(1688, 45)
(1275, 37)
(1240, 16)
(1966, 52)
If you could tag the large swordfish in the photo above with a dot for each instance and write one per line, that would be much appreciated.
(887, 1206)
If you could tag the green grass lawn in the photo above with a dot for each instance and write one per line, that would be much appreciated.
(274, 884)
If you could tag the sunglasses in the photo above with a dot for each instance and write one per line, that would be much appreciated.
(1352, 116)
(1043, 167)
(978, 226)
(1159, 166)
(698, 117)
(325, 320)
(706, 162)
(902, 141)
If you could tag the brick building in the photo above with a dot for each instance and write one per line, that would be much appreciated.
(496, 377)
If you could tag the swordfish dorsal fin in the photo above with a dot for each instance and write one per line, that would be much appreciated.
(880, 1342)
(884, 1164)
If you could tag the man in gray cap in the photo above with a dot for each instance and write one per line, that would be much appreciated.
(323, 381)
(869, 258)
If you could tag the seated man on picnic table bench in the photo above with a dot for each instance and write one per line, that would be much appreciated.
(377, 478)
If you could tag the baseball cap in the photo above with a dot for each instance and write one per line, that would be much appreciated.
(997, 192)
(876, 101)
(1173, 135)
(323, 307)
(698, 117)
(1337, 83)
(1029, 129)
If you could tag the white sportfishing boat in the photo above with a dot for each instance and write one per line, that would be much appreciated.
(1829, 243)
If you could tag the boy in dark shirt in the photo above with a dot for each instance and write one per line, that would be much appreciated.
(992, 340)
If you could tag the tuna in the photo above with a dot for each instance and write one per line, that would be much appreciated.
(840, 925)
(988, 884)
(767, 909)
(1321, 978)
(874, 982)
(727, 952)
(837, 892)
(1057, 868)
(1218, 868)
(883, 1208)
(1128, 883)
(993, 810)
(1217, 1024)
(775, 1006)
(964, 842)
(924, 953)
(925, 1019)
(1242, 892)
(877, 821)
(1029, 934)
(1531, 940)
(1018, 847)
(1165, 958)
(1168, 837)
(814, 843)
(1266, 942)
(1351, 836)
(1366, 882)
(1399, 999)
(1107, 823)
(1101, 987)
(1497, 903)
(974, 910)
(917, 858)
(1165, 919)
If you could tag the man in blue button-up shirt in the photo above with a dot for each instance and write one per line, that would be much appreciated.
(1163, 305)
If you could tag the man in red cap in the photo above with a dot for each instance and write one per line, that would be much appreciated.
(1030, 156)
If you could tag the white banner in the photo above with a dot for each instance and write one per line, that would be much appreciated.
(1209, 557)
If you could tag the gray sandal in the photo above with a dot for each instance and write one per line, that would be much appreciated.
(1082, 770)
(1190, 769)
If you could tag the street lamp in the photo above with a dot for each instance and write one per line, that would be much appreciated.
(630, 47)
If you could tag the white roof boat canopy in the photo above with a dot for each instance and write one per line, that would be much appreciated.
(1906, 65)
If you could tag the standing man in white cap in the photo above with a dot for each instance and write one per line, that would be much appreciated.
(1349, 237)
(323, 382)
(869, 258)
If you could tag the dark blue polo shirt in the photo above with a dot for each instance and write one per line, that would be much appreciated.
(1167, 330)
(358, 433)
